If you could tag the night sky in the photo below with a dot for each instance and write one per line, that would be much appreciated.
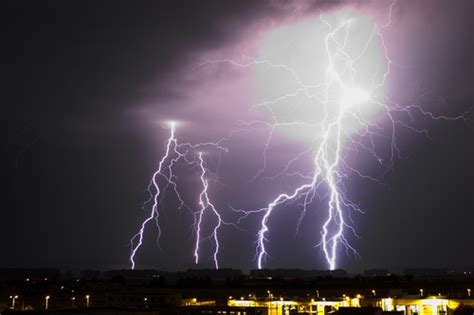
(88, 86)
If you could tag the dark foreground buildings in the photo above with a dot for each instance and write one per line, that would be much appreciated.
(229, 292)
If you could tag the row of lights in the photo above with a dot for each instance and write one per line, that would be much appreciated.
(270, 295)
(46, 300)
(374, 293)
(467, 290)
(45, 279)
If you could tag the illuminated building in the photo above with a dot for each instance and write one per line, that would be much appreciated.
(433, 305)
(282, 306)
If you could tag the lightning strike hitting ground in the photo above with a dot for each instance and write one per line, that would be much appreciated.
(175, 152)
(328, 172)
(206, 204)
(154, 213)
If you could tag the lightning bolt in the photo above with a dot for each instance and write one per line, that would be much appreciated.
(206, 204)
(175, 152)
(154, 191)
(328, 156)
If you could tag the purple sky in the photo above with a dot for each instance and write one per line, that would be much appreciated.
(91, 86)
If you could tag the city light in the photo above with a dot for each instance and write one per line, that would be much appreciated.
(13, 298)
(46, 302)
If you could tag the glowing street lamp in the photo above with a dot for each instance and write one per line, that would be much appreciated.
(469, 292)
(421, 292)
(374, 293)
(270, 294)
(87, 300)
(46, 302)
(13, 297)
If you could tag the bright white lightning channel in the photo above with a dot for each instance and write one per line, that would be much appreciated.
(327, 157)
(154, 197)
(206, 204)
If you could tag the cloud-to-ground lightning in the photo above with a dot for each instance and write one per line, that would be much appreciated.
(340, 96)
(175, 152)
(340, 76)
(154, 213)
(206, 204)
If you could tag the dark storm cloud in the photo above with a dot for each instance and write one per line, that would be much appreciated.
(76, 157)
(101, 52)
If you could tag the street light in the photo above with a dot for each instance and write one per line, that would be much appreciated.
(374, 293)
(13, 297)
(87, 300)
(421, 292)
(46, 302)
(469, 292)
